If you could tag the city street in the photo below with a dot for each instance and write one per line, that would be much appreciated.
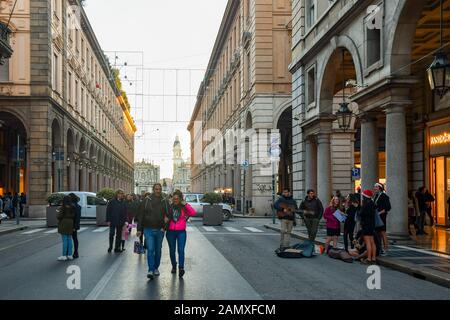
(234, 261)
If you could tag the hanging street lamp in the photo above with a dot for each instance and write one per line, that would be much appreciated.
(439, 71)
(344, 115)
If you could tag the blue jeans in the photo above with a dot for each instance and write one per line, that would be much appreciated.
(67, 244)
(172, 238)
(153, 240)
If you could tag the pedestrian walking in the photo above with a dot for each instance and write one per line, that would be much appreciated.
(115, 217)
(178, 214)
(422, 205)
(413, 213)
(333, 225)
(286, 207)
(65, 218)
(429, 199)
(382, 206)
(152, 219)
(367, 215)
(353, 207)
(22, 203)
(76, 223)
(15, 205)
(312, 209)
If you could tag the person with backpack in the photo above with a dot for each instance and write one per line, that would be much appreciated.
(76, 223)
(312, 211)
(178, 214)
(367, 216)
(152, 219)
(382, 206)
(286, 207)
(65, 218)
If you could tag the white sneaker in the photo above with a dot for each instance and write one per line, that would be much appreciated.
(69, 258)
(62, 258)
(157, 272)
(150, 275)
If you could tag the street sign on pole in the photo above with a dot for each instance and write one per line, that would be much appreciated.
(356, 174)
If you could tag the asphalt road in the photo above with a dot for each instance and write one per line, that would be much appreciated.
(234, 261)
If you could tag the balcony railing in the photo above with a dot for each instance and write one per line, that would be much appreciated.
(5, 47)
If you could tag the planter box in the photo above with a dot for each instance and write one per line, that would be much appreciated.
(51, 214)
(101, 216)
(212, 215)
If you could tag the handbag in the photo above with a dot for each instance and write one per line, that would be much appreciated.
(378, 222)
(138, 247)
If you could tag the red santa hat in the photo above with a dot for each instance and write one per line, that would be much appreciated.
(368, 193)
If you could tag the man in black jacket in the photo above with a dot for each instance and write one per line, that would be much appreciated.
(312, 209)
(116, 214)
(152, 219)
(286, 207)
(76, 223)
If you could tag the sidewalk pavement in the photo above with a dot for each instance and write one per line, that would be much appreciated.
(247, 215)
(9, 226)
(420, 263)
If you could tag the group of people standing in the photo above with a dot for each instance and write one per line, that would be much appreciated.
(11, 205)
(69, 217)
(363, 214)
(156, 216)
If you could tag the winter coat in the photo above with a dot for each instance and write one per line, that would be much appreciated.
(288, 201)
(132, 208)
(180, 225)
(77, 216)
(382, 202)
(151, 213)
(116, 212)
(314, 205)
(65, 220)
(332, 222)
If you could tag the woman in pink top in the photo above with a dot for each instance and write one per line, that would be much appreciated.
(333, 224)
(178, 214)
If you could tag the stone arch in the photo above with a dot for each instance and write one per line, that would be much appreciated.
(279, 111)
(399, 47)
(331, 65)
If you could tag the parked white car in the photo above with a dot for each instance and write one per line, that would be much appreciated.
(195, 200)
(88, 203)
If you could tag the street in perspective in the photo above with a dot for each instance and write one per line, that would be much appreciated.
(226, 150)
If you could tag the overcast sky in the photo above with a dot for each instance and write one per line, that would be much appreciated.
(170, 34)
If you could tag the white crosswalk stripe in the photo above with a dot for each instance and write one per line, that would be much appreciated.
(82, 229)
(101, 229)
(252, 229)
(33, 231)
(231, 229)
(52, 231)
(210, 229)
(191, 229)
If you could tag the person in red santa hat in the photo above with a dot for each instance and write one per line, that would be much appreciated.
(367, 215)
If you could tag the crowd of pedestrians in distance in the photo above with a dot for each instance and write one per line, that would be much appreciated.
(12, 205)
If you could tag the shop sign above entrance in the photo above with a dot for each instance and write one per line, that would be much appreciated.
(440, 140)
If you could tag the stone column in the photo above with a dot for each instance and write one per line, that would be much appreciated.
(397, 171)
(93, 181)
(324, 168)
(77, 177)
(72, 179)
(369, 152)
(311, 164)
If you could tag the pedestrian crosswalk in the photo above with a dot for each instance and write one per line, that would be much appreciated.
(191, 228)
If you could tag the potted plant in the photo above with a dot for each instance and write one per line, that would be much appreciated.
(104, 196)
(212, 213)
(54, 202)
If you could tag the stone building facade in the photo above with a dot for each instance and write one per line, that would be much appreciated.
(245, 95)
(59, 99)
(373, 54)
(145, 176)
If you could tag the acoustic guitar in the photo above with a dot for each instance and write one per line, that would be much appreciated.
(287, 210)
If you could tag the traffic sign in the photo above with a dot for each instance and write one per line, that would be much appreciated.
(356, 174)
